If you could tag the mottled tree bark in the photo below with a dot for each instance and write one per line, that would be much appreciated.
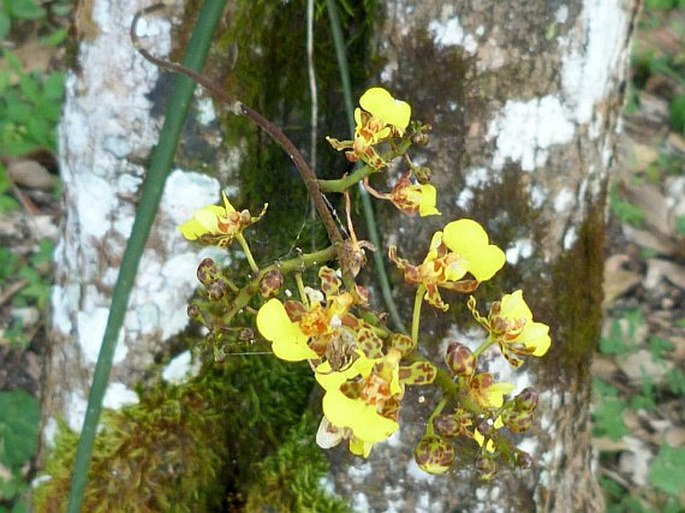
(524, 98)
(112, 116)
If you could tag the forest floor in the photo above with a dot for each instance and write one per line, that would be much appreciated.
(639, 372)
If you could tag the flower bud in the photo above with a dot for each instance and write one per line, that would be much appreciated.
(207, 271)
(486, 467)
(434, 454)
(403, 343)
(522, 459)
(194, 312)
(527, 400)
(246, 335)
(460, 359)
(446, 425)
(271, 283)
(519, 421)
(216, 290)
(420, 138)
(423, 174)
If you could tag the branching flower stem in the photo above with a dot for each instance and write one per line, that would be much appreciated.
(238, 108)
(303, 261)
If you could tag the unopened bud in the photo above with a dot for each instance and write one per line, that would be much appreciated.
(446, 425)
(434, 454)
(193, 311)
(207, 271)
(216, 290)
(522, 459)
(519, 421)
(423, 174)
(460, 359)
(527, 400)
(246, 335)
(486, 467)
(420, 138)
(403, 343)
(271, 283)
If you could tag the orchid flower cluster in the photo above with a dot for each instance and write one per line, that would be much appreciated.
(361, 364)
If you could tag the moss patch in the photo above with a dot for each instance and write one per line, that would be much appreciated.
(192, 447)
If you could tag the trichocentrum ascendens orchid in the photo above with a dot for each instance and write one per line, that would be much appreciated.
(461, 248)
(380, 118)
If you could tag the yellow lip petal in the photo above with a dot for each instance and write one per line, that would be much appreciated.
(380, 104)
(288, 341)
(363, 419)
(468, 238)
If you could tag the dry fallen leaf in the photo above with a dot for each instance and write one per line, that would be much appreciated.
(31, 174)
(617, 280)
(640, 364)
(658, 269)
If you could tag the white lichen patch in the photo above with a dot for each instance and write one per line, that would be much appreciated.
(475, 178)
(205, 111)
(595, 48)
(570, 237)
(358, 473)
(119, 395)
(50, 432)
(76, 406)
(360, 503)
(561, 14)
(521, 248)
(90, 330)
(564, 200)
(417, 474)
(447, 31)
(179, 368)
(525, 131)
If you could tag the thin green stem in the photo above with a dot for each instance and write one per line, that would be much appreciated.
(438, 409)
(153, 187)
(246, 249)
(485, 345)
(293, 265)
(416, 316)
(300, 289)
(369, 217)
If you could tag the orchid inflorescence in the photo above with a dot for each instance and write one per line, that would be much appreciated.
(361, 364)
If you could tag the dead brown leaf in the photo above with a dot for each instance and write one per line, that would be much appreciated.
(617, 279)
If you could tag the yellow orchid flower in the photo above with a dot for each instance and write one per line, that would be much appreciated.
(219, 224)
(380, 118)
(288, 341)
(488, 393)
(479, 438)
(461, 247)
(511, 323)
(361, 416)
(386, 112)
(410, 198)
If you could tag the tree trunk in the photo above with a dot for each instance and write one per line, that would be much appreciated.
(111, 121)
(524, 98)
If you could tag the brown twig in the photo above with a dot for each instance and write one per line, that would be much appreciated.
(238, 108)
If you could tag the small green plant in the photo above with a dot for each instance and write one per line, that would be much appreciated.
(666, 471)
(19, 417)
(30, 110)
(608, 413)
(621, 341)
(33, 274)
(625, 211)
